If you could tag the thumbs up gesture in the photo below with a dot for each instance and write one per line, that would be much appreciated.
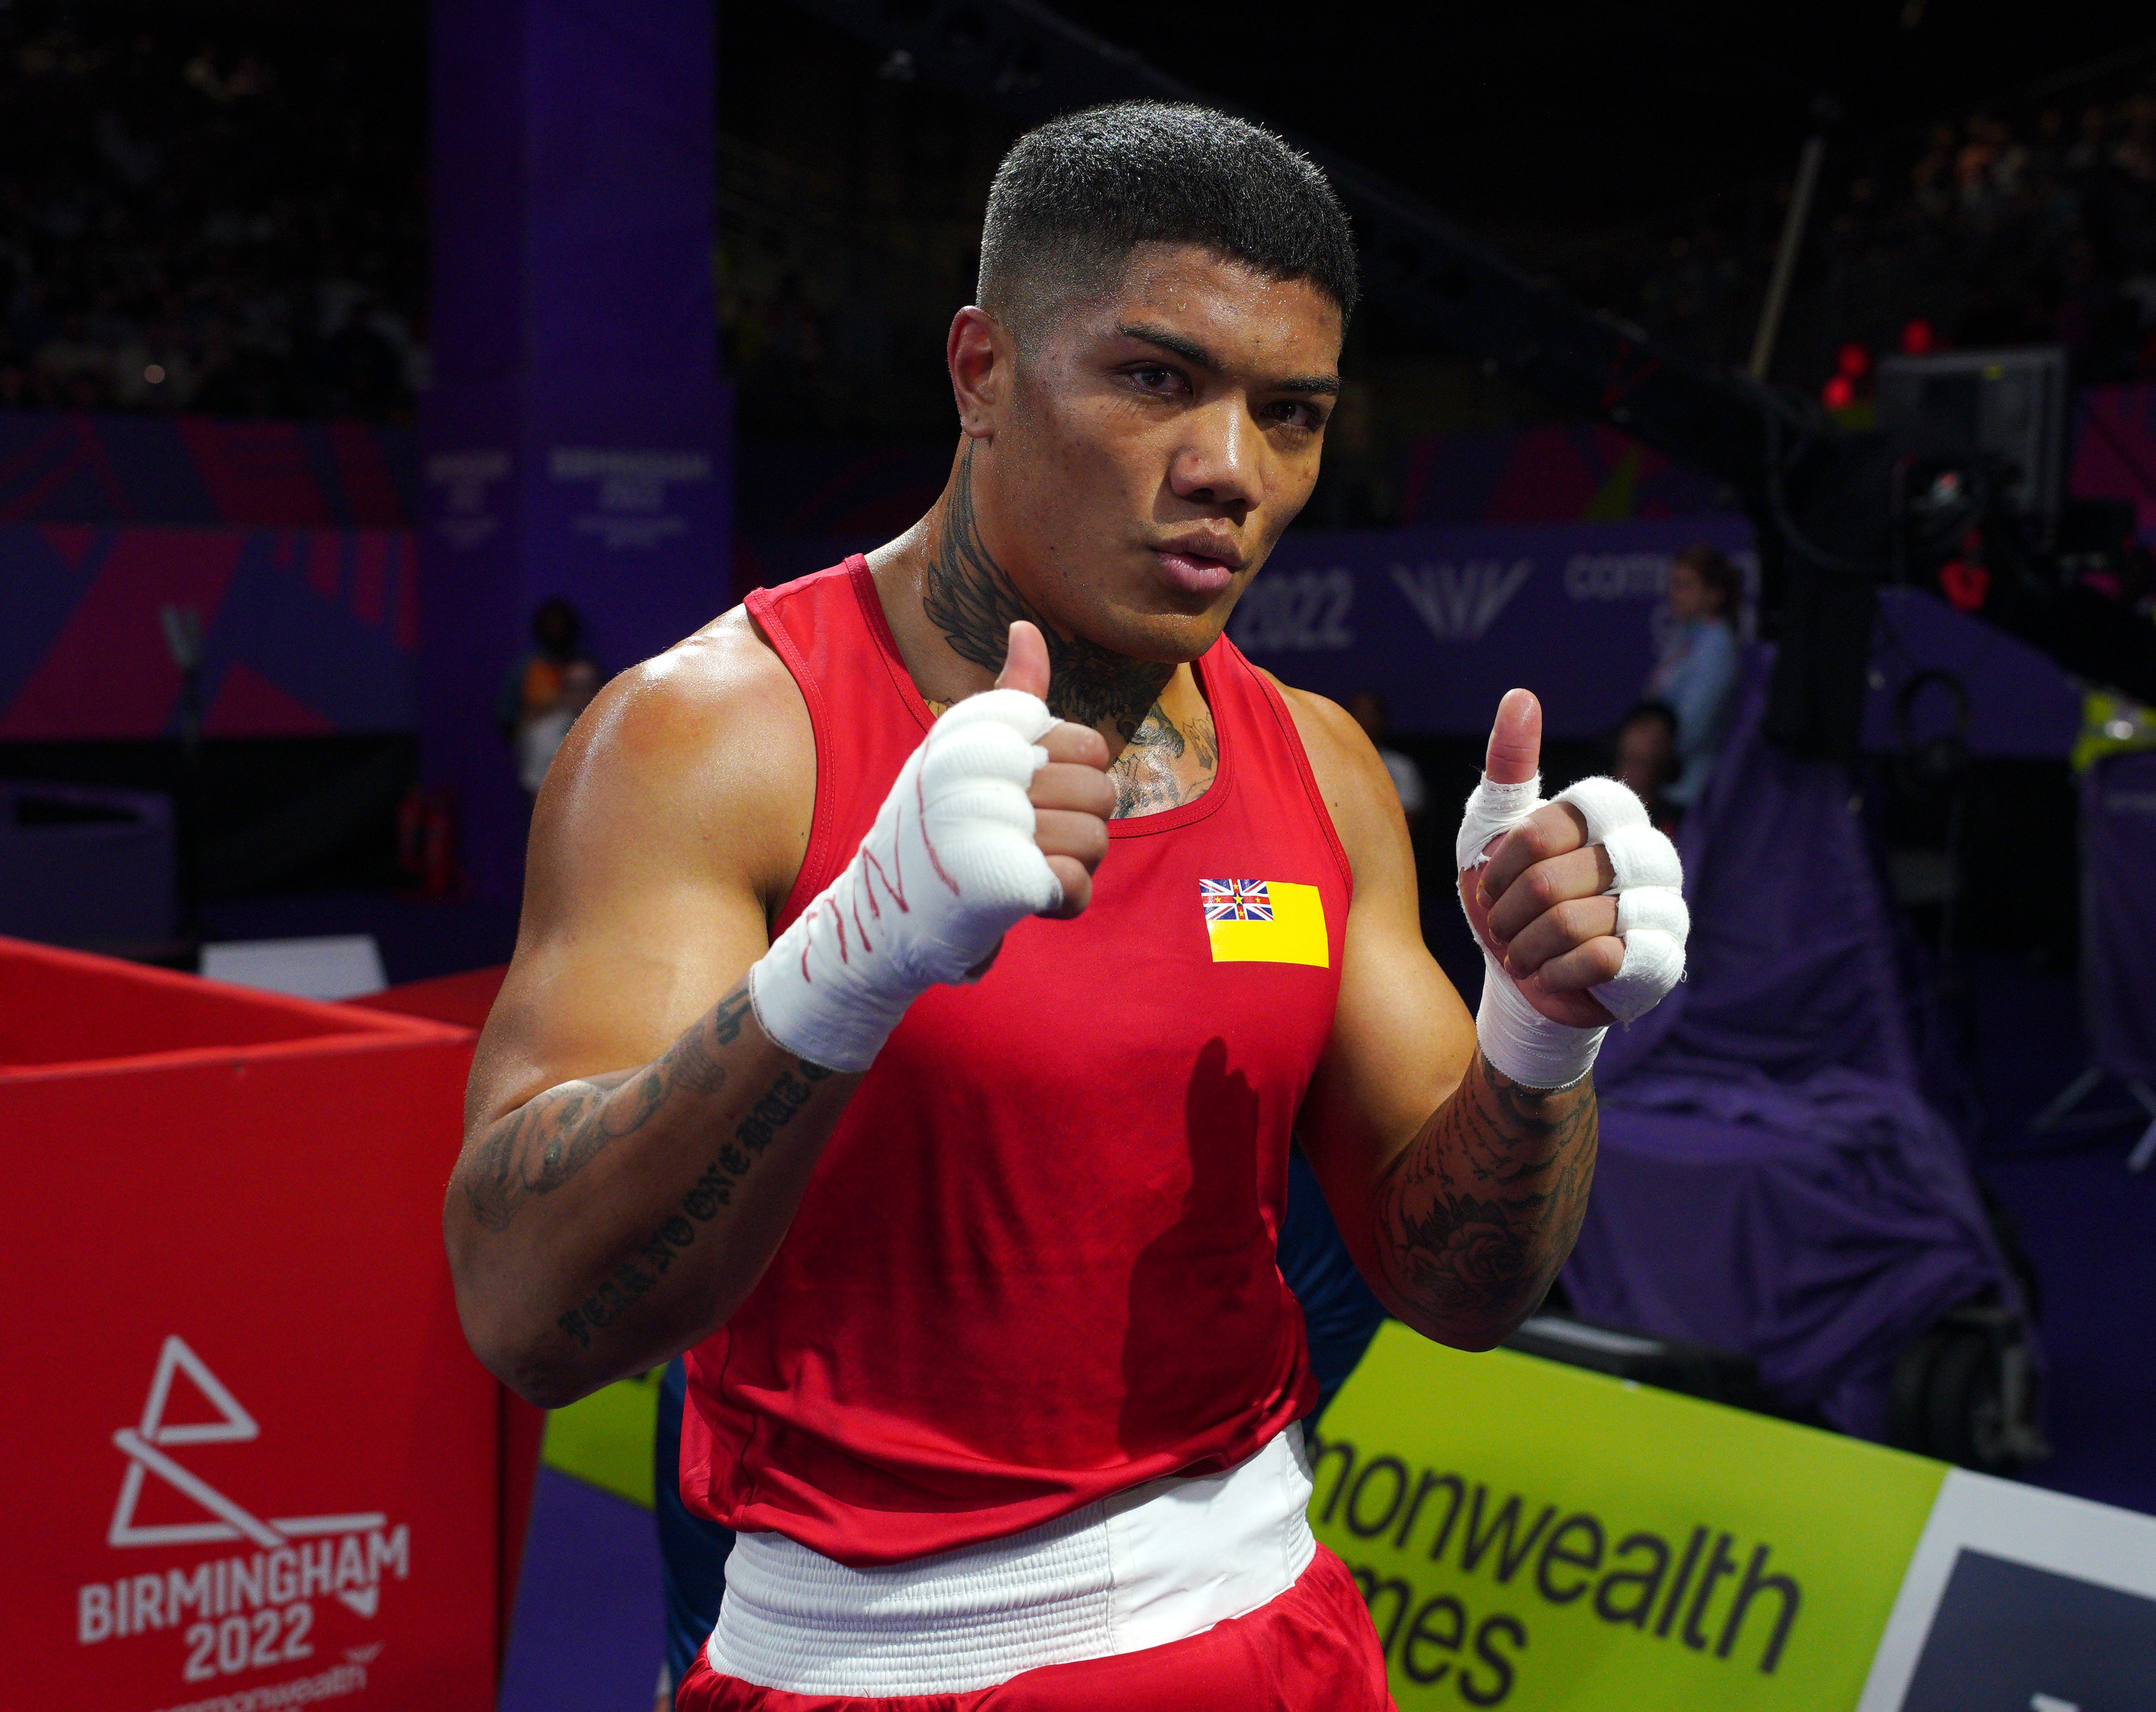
(1577, 903)
(1541, 903)
(1072, 798)
(1001, 813)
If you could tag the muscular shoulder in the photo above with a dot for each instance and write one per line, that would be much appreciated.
(1358, 793)
(701, 759)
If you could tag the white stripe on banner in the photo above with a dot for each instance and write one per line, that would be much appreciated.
(2047, 1602)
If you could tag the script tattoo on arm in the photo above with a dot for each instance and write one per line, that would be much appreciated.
(1475, 1219)
(713, 1188)
(972, 600)
(553, 1135)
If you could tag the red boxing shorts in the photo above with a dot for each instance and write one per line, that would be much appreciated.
(1312, 1649)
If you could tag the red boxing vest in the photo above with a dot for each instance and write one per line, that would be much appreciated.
(1035, 1264)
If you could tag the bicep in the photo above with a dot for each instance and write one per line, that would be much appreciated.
(608, 979)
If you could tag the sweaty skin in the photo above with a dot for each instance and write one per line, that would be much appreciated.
(635, 1147)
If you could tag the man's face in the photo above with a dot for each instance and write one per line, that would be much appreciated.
(1154, 444)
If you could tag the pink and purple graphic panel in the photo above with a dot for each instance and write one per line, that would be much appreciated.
(198, 469)
(303, 631)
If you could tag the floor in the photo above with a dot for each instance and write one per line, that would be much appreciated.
(587, 1637)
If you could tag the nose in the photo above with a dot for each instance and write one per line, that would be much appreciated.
(1218, 465)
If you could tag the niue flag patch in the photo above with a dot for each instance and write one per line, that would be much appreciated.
(1264, 921)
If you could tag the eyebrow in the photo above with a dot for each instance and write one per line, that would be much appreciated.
(1191, 352)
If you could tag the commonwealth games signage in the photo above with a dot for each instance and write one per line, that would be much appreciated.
(1533, 1536)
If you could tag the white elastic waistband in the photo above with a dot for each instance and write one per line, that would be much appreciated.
(1158, 1563)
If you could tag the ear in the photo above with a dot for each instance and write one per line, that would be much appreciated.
(979, 355)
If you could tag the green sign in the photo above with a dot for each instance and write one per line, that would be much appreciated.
(607, 1438)
(1536, 1537)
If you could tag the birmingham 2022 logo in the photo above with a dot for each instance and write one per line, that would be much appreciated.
(236, 1611)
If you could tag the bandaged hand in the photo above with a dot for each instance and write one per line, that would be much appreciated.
(1001, 813)
(1577, 903)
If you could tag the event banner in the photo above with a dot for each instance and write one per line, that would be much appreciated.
(252, 1463)
(1442, 622)
(1542, 1538)
(605, 1439)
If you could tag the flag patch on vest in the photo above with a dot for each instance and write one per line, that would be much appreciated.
(1264, 921)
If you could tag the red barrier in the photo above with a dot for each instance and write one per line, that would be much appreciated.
(465, 1000)
(251, 1463)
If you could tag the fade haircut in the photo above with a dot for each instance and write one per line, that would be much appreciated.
(1074, 196)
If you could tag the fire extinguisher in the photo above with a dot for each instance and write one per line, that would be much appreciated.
(440, 876)
(411, 820)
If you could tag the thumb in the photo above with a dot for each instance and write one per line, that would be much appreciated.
(1516, 739)
(1026, 665)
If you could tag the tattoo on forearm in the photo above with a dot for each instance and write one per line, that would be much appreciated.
(1476, 1216)
(713, 1188)
(972, 600)
(550, 1138)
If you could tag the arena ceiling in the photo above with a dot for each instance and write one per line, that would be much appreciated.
(1583, 113)
(1556, 115)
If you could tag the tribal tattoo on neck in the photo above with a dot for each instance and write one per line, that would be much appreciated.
(972, 600)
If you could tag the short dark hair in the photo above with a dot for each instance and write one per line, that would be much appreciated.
(1075, 196)
(1658, 711)
(1723, 579)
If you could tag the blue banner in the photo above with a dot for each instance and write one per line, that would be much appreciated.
(1442, 622)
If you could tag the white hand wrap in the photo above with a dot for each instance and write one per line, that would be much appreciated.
(1652, 921)
(949, 867)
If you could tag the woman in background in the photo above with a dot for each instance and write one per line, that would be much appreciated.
(1697, 670)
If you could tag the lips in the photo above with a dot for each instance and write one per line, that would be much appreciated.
(1201, 565)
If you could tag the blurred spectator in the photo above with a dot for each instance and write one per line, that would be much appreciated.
(1697, 670)
(223, 209)
(2004, 229)
(177, 211)
(1367, 709)
(1647, 755)
(548, 689)
(540, 737)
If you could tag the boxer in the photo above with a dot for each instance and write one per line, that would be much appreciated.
(925, 967)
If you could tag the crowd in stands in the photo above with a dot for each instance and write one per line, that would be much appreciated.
(197, 219)
(2020, 228)
(215, 225)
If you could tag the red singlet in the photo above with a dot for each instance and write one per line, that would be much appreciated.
(1035, 1264)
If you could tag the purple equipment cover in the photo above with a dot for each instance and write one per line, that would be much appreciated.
(1771, 1180)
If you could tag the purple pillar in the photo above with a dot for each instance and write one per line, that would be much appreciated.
(576, 437)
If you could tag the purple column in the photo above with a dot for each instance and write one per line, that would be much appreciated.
(577, 439)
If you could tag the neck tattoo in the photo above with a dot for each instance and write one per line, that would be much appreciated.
(972, 600)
